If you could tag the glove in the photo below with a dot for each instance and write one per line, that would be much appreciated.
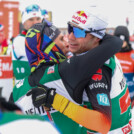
(42, 96)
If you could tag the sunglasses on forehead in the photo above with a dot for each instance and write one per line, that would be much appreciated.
(81, 33)
(32, 8)
(78, 33)
(43, 12)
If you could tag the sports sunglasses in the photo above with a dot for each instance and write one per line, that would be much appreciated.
(32, 8)
(81, 33)
(78, 33)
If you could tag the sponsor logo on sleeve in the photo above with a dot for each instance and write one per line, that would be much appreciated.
(127, 129)
(20, 83)
(98, 85)
(122, 83)
(125, 102)
(103, 99)
(50, 70)
(97, 76)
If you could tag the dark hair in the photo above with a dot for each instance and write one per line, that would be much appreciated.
(123, 30)
(7, 106)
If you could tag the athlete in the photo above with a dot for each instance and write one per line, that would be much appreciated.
(106, 94)
(44, 43)
(30, 16)
(126, 58)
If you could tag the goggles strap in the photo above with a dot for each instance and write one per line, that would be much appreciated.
(93, 30)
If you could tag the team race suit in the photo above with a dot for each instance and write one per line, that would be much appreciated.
(111, 97)
(101, 98)
(21, 66)
(127, 62)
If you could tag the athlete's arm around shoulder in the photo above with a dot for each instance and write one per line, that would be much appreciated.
(80, 68)
(94, 58)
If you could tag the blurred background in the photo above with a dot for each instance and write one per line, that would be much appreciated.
(118, 12)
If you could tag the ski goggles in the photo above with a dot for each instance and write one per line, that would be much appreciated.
(44, 12)
(78, 33)
(81, 33)
(32, 8)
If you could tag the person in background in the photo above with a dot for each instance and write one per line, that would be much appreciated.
(30, 16)
(13, 121)
(3, 41)
(126, 58)
(106, 96)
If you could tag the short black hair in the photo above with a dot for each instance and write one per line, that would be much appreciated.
(122, 30)
(7, 105)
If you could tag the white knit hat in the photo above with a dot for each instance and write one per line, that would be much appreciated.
(91, 20)
(30, 12)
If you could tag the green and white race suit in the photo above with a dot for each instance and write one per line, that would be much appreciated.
(119, 97)
(21, 66)
(120, 100)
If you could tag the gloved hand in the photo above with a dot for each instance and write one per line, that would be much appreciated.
(42, 95)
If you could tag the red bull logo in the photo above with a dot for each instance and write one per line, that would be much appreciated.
(81, 17)
(82, 13)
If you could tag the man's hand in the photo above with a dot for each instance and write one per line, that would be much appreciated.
(42, 95)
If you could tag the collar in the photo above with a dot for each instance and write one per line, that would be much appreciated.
(24, 32)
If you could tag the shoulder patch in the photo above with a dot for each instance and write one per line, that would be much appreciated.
(103, 99)
(20, 83)
(50, 70)
(98, 75)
